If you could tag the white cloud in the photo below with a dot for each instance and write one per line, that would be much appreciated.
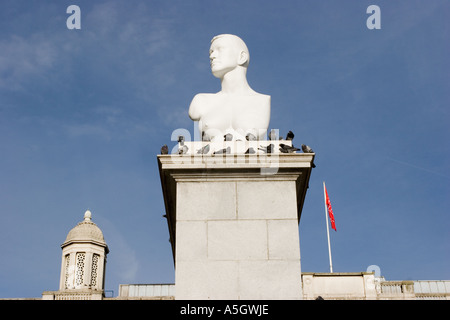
(22, 58)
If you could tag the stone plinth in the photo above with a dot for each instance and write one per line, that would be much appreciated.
(233, 223)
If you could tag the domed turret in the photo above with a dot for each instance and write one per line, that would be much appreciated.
(85, 231)
(84, 258)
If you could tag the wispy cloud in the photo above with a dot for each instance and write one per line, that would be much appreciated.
(105, 79)
(22, 58)
(421, 168)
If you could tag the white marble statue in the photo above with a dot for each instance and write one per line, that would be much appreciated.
(236, 109)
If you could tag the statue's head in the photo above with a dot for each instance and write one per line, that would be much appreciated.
(228, 52)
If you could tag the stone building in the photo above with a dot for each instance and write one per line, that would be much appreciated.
(327, 286)
(83, 264)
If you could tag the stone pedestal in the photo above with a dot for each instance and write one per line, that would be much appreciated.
(233, 223)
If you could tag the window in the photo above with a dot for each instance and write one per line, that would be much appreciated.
(79, 268)
(94, 269)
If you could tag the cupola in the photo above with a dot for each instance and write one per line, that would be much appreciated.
(84, 257)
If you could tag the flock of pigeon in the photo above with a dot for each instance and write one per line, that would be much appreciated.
(284, 148)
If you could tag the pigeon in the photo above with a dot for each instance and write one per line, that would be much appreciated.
(222, 151)
(268, 149)
(288, 149)
(250, 151)
(228, 137)
(250, 137)
(290, 136)
(203, 150)
(183, 149)
(181, 140)
(165, 149)
(273, 135)
(205, 137)
(307, 149)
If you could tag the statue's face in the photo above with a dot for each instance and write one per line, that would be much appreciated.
(224, 56)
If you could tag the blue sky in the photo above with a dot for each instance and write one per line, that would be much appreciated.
(83, 114)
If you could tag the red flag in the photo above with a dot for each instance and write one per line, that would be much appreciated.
(330, 210)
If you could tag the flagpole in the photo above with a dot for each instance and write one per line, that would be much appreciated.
(328, 229)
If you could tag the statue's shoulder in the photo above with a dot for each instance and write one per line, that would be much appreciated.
(259, 95)
(199, 104)
(202, 99)
(203, 96)
(263, 98)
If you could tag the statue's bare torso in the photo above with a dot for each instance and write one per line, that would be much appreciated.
(239, 115)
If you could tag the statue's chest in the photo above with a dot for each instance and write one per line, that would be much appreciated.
(225, 112)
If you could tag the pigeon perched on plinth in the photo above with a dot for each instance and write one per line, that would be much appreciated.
(268, 149)
(273, 135)
(307, 149)
(183, 149)
(223, 151)
(165, 149)
(203, 150)
(284, 148)
(250, 151)
(205, 137)
(228, 137)
(290, 135)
